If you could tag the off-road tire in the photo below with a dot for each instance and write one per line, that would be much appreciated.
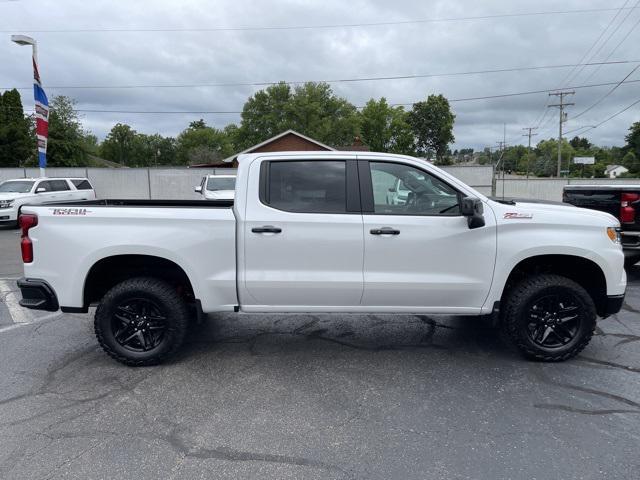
(157, 291)
(515, 318)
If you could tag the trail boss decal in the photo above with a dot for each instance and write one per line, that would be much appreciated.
(518, 216)
(70, 211)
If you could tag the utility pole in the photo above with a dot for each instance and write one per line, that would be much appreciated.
(501, 145)
(563, 118)
(529, 134)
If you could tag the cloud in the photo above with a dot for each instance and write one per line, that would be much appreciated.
(163, 58)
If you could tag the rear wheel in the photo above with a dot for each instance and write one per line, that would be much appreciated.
(549, 317)
(141, 321)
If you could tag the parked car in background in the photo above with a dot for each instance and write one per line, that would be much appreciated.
(217, 187)
(18, 192)
(313, 232)
(621, 201)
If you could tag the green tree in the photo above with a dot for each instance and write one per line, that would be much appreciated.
(633, 139)
(200, 143)
(631, 162)
(432, 124)
(265, 114)
(580, 143)
(546, 164)
(386, 129)
(311, 109)
(315, 111)
(121, 145)
(66, 136)
(17, 141)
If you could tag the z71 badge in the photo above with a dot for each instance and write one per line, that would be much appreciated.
(69, 211)
(518, 216)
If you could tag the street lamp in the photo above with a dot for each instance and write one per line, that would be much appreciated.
(41, 103)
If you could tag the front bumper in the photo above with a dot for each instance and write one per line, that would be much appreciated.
(631, 242)
(8, 215)
(37, 295)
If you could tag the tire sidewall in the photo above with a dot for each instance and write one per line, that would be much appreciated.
(517, 319)
(122, 293)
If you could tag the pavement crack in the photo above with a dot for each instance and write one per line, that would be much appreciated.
(606, 363)
(582, 411)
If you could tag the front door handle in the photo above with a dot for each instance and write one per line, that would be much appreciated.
(384, 231)
(266, 229)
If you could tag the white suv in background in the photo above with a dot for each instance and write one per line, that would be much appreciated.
(20, 191)
(217, 187)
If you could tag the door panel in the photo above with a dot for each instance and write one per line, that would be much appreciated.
(294, 258)
(432, 261)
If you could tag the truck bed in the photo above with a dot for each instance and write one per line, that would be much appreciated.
(113, 202)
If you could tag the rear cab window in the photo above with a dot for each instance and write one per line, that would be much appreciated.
(308, 186)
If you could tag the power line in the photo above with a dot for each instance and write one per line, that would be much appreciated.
(619, 112)
(543, 114)
(635, 25)
(611, 34)
(452, 100)
(312, 27)
(337, 80)
(606, 94)
(584, 57)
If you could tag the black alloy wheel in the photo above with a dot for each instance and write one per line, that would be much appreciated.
(554, 320)
(139, 324)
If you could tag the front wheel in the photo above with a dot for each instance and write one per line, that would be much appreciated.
(141, 321)
(549, 317)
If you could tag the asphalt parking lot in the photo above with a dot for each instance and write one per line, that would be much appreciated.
(306, 396)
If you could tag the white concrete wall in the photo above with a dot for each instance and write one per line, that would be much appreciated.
(550, 188)
(178, 183)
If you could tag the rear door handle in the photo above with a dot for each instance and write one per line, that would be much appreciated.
(266, 229)
(384, 231)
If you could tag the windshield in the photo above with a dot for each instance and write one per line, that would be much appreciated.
(221, 183)
(16, 187)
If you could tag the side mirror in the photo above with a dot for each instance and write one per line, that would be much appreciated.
(41, 190)
(473, 209)
(392, 190)
(198, 189)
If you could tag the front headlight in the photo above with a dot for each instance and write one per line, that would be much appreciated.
(614, 234)
(6, 203)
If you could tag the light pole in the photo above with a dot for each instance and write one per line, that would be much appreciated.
(41, 103)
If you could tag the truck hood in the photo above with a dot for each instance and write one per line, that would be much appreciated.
(13, 195)
(555, 212)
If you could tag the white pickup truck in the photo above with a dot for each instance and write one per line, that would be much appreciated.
(314, 232)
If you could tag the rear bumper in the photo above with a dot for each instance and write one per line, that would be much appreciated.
(613, 304)
(37, 295)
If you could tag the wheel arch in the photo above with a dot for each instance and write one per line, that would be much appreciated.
(109, 271)
(585, 272)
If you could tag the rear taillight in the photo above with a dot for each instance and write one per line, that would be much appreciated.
(26, 222)
(627, 209)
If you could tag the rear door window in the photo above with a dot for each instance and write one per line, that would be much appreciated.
(306, 186)
(59, 185)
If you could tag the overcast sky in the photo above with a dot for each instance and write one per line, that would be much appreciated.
(249, 56)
